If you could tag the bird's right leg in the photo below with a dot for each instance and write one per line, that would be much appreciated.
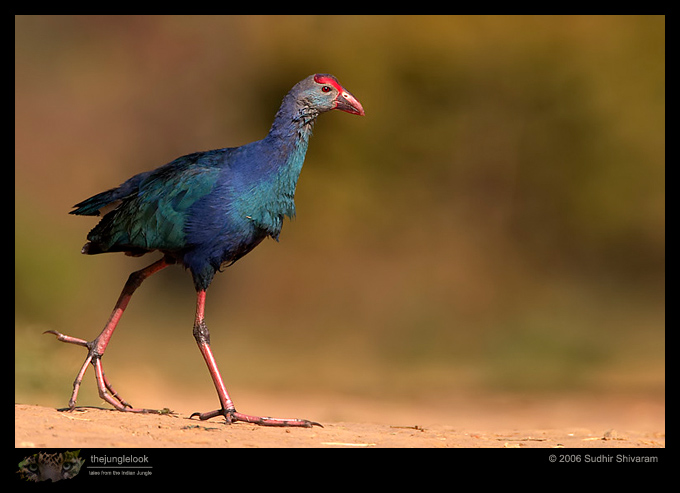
(97, 347)
(227, 409)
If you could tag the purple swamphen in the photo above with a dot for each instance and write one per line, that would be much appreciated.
(206, 210)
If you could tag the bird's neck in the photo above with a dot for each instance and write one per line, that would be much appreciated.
(293, 122)
(288, 138)
(289, 135)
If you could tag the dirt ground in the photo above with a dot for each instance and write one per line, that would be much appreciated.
(471, 422)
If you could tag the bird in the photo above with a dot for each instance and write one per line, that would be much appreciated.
(204, 211)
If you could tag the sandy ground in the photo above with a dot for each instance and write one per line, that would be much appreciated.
(473, 422)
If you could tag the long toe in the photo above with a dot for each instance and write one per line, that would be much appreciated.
(280, 422)
(71, 340)
(233, 416)
(213, 414)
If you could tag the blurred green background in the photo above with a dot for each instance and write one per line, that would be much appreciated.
(496, 221)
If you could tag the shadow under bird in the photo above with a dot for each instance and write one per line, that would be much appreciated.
(205, 211)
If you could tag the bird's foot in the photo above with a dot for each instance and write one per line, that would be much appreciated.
(106, 391)
(232, 416)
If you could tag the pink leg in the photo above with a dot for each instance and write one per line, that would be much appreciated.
(228, 410)
(97, 347)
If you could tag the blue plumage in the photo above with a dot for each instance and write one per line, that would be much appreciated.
(210, 208)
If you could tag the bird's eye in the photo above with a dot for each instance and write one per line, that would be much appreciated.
(326, 89)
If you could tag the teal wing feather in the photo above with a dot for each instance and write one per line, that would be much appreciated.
(154, 207)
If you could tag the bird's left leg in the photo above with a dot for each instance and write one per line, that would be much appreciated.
(97, 347)
(228, 410)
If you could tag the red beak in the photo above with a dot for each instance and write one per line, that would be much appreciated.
(346, 102)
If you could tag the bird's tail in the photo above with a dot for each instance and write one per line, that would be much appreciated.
(97, 205)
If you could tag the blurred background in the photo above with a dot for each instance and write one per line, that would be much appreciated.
(495, 223)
